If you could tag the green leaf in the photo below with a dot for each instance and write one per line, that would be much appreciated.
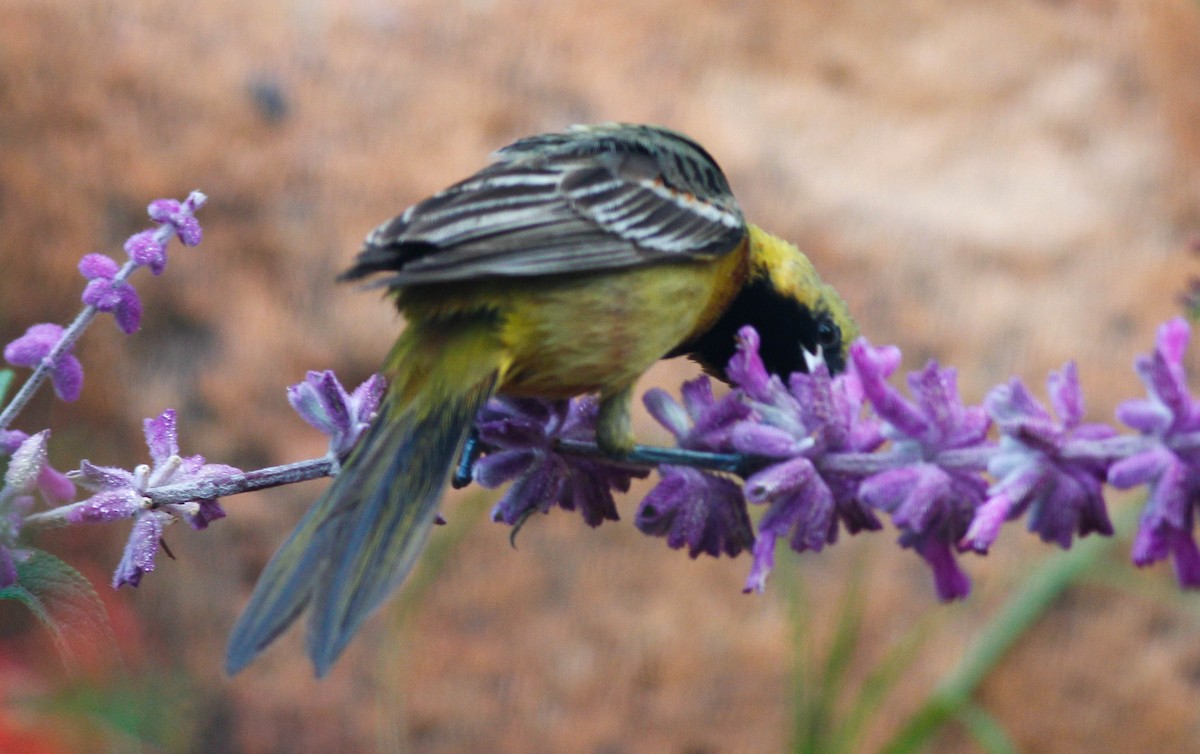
(66, 604)
(6, 378)
(986, 730)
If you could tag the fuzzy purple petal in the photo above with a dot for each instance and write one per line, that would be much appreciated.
(189, 231)
(587, 493)
(985, 526)
(502, 466)
(697, 396)
(780, 479)
(364, 401)
(703, 512)
(138, 558)
(1140, 468)
(765, 440)
(98, 266)
(535, 491)
(101, 294)
(762, 564)
(162, 210)
(1066, 396)
(145, 249)
(98, 478)
(1147, 417)
(321, 401)
(807, 513)
(106, 506)
(67, 377)
(37, 342)
(10, 440)
(746, 368)
(873, 365)
(949, 579)
(1186, 558)
(161, 436)
(56, 487)
(210, 510)
(667, 412)
(129, 309)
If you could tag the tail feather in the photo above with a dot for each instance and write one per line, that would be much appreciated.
(283, 590)
(378, 541)
(361, 539)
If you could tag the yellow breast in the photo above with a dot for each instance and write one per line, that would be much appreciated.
(599, 332)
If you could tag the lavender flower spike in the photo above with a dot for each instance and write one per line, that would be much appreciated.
(933, 497)
(1170, 418)
(520, 437)
(1062, 493)
(324, 403)
(122, 494)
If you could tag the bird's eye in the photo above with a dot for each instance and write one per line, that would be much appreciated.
(829, 337)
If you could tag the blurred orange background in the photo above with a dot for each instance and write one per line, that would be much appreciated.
(1002, 186)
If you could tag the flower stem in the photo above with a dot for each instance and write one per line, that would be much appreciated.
(650, 456)
(247, 481)
(208, 489)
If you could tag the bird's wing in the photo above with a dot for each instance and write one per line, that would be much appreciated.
(592, 198)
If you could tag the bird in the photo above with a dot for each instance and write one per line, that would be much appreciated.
(569, 265)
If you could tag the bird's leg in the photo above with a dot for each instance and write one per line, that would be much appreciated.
(471, 451)
(614, 426)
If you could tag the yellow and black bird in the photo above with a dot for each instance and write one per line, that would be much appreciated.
(569, 265)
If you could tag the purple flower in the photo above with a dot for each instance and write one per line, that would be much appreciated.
(107, 294)
(120, 493)
(815, 416)
(801, 502)
(29, 350)
(149, 247)
(519, 436)
(933, 497)
(1170, 418)
(148, 250)
(700, 510)
(1062, 493)
(704, 512)
(180, 216)
(324, 403)
(702, 422)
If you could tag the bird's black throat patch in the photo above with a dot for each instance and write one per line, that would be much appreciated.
(785, 327)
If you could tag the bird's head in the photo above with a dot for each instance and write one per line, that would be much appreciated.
(793, 310)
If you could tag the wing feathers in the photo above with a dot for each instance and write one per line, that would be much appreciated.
(596, 198)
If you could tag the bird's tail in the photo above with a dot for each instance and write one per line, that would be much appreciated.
(360, 540)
